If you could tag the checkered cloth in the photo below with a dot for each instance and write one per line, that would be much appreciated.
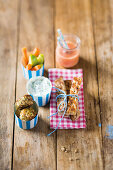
(66, 123)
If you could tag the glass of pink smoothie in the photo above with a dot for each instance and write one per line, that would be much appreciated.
(68, 57)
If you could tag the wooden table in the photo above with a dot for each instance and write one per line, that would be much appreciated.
(34, 24)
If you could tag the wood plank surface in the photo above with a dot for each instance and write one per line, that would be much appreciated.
(8, 41)
(84, 145)
(33, 150)
(103, 31)
(34, 24)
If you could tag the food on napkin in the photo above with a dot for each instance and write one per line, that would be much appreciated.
(65, 86)
(69, 87)
(25, 108)
(68, 84)
(59, 83)
(73, 105)
(32, 61)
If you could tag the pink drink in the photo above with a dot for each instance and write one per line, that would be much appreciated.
(68, 57)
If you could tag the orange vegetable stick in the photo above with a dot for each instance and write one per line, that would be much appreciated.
(29, 66)
(37, 67)
(24, 61)
(24, 50)
(33, 69)
(36, 52)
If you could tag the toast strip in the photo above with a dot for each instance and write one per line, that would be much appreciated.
(69, 87)
(59, 83)
(73, 105)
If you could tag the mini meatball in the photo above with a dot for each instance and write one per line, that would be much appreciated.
(18, 112)
(27, 114)
(24, 102)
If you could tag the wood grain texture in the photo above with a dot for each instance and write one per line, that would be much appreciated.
(84, 145)
(103, 32)
(32, 24)
(32, 148)
(8, 40)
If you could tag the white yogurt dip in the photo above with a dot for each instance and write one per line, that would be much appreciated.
(39, 86)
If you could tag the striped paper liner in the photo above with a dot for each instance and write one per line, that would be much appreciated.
(28, 74)
(42, 100)
(26, 124)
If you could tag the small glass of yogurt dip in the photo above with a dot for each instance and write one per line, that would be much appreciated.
(68, 57)
(40, 89)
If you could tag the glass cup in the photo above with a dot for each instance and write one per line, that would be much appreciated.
(68, 57)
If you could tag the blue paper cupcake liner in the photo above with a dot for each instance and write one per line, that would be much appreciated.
(26, 124)
(28, 74)
(42, 100)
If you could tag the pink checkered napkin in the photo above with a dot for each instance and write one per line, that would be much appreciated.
(66, 123)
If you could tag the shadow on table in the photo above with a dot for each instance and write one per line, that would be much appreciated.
(45, 73)
(43, 125)
(93, 104)
(103, 67)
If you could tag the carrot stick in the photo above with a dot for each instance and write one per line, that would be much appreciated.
(29, 66)
(37, 67)
(36, 52)
(24, 50)
(33, 69)
(24, 61)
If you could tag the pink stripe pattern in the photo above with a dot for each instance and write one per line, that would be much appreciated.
(66, 123)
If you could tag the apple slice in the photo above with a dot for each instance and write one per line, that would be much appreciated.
(33, 60)
(40, 59)
(41, 65)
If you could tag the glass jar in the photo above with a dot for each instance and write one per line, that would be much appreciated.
(68, 57)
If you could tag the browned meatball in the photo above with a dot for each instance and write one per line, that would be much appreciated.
(27, 114)
(24, 102)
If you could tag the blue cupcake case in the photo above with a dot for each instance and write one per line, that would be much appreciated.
(28, 74)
